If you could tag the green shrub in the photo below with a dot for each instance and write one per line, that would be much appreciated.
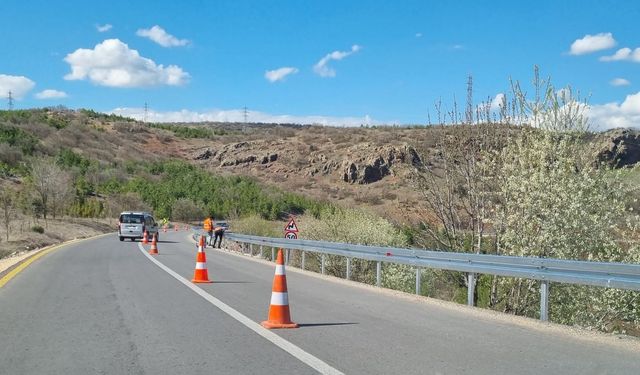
(69, 159)
(19, 138)
(37, 229)
(222, 196)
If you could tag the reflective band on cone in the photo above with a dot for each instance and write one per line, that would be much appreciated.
(154, 245)
(201, 244)
(279, 315)
(145, 238)
(200, 274)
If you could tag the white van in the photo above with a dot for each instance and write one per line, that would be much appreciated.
(133, 224)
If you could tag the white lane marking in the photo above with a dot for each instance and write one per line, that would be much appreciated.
(312, 361)
(279, 298)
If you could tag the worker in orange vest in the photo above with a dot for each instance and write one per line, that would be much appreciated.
(207, 225)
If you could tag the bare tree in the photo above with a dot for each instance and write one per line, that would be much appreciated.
(7, 205)
(457, 181)
(52, 184)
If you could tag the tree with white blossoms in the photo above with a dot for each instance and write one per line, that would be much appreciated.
(554, 200)
(359, 227)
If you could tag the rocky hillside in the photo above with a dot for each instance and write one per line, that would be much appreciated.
(364, 167)
(353, 166)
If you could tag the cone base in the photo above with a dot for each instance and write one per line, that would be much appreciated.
(201, 281)
(153, 253)
(276, 325)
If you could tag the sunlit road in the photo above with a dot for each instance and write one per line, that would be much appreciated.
(102, 307)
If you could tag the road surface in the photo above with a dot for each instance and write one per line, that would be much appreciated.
(103, 307)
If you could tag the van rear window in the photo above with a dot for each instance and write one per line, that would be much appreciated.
(131, 219)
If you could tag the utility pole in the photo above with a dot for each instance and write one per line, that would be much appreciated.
(146, 111)
(10, 99)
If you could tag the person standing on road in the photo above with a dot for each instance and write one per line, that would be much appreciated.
(218, 232)
(207, 226)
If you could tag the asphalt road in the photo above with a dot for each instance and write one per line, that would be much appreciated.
(102, 307)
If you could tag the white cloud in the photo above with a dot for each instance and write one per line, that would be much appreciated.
(321, 67)
(279, 74)
(112, 63)
(160, 36)
(418, 35)
(619, 82)
(237, 115)
(103, 28)
(51, 94)
(19, 86)
(498, 102)
(614, 115)
(623, 54)
(592, 43)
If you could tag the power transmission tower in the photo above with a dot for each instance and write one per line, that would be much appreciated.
(10, 99)
(469, 109)
(246, 114)
(146, 112)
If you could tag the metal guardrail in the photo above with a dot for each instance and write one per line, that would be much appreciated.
(603, 274)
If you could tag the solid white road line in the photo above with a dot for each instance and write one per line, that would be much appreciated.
(313, 362)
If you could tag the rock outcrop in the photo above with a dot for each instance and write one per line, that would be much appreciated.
(234, 154)
(367, 170)
(622, 148)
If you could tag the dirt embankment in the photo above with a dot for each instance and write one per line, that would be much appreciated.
(23, 239)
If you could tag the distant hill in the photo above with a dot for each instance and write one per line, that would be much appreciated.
(364, 167)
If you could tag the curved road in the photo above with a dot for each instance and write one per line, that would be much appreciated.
(103, 307)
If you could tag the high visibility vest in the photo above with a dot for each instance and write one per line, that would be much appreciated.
(208, 225)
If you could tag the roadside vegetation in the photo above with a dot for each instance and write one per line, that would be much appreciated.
(537, 192)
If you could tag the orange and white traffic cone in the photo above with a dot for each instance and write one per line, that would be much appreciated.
(201, 275)
(175, 227)
(154, 245)
(145, 238)
(186, 227)
(279, 315)
(164, 228)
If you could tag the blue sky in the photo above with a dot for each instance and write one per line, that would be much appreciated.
(348, 62)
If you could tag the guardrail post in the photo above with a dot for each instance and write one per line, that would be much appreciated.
(288, 253)
(303, 260)
(251, 249)
(378, 273)
(273, 254)
(322, 264)
(348, 268)
(418, 281)
(544, 300)
(471, 282)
